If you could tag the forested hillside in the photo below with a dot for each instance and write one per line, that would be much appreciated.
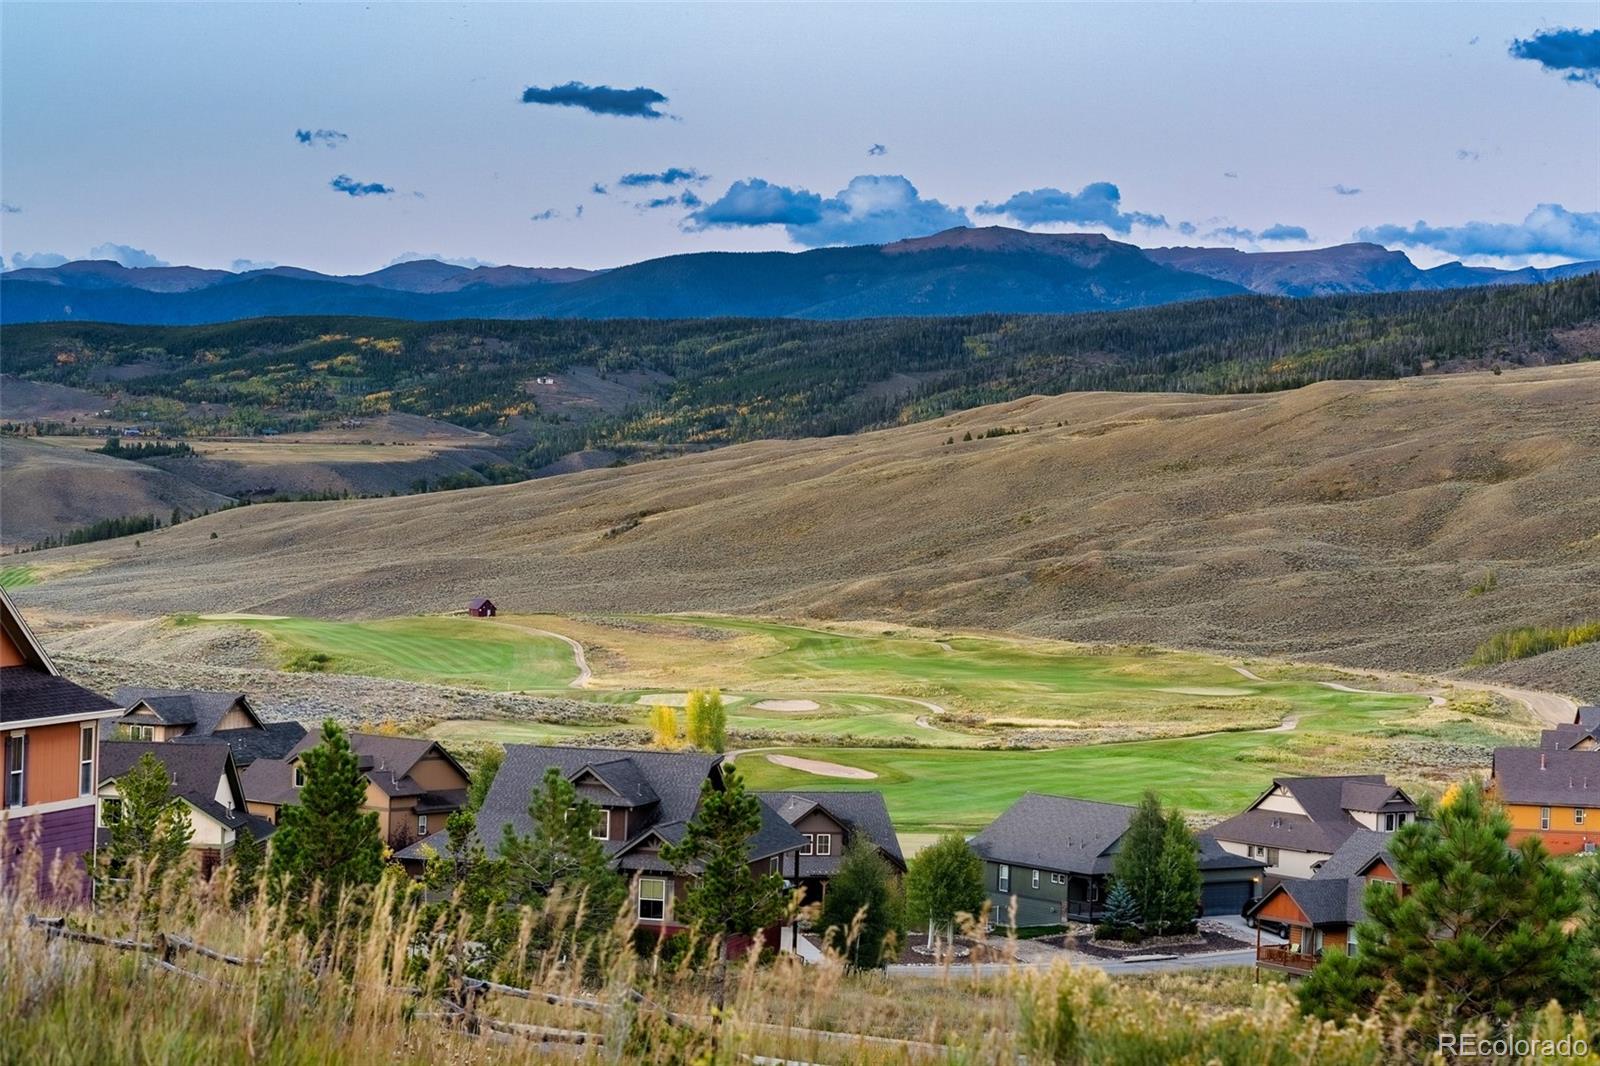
(718, 381)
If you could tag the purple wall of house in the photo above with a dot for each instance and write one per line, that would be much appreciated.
(63, 838)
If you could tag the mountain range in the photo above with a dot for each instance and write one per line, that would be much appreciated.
(958, 271)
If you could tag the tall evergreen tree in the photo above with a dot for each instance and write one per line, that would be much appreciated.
(860, 912)
(944, 880)
(1480, 932)
(327, 838)
(1137, 864)
(562, 851)
(245, 860)
(150, 834)
(1178, 878)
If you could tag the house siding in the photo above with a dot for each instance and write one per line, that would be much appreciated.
(1566, 836)
(64, 836)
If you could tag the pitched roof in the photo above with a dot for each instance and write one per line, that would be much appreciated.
(1326, 823)
(29, 694)
(1566, 737)
(1355, 855)
(1335, 901)
(1547, 778)
(674, 776)
(194, 772)
(15, 627)
(199, 708)
(622, 784)
(273, 741)
(1588, 717)
(1056, 833)
(858, 812)
(392, 755)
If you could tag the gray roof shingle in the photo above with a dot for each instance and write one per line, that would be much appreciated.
(194, 771)
(858, 812)
(1056, 833)
(27, 694)
(1547, 778)
(1326, 823)
(274, 741)
(199, 708)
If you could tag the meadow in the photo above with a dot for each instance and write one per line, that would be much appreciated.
(953, 726)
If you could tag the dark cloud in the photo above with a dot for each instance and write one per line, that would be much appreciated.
(127, 255)
(1467, 155)
(1229, 174)
(1549, 229)
(598, 189)
(1346, 190)
(877, 149)
(872, 209)
(545, 216)
(660, 201)
(351, 187)
(1096, 204)
(638, 102)
(10, 209)
(326, 138)
(577, 212)
(37, 260)
(670, 176)
(1572, 53)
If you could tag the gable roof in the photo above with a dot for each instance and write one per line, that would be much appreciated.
(273, 741)
(1335, 901)
(1588, 717)
(391, 757)
(858, 812)
(17, 630)
(622, 784)
(194, 771)
(199, 708)
(1566, 737)
(1355, 855)
(1547, 778)
(32, 696)
(1056, 833)
(1326, 823)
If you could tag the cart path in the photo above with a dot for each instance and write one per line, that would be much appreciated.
(585, 675)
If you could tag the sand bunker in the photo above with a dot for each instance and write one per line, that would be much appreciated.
(787, 705)
(822, 769)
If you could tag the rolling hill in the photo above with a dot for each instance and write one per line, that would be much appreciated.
(1345, 521)
(960, 271)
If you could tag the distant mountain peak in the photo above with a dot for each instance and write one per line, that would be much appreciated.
(1003, 239)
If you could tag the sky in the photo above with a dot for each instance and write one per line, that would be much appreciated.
(343, 137)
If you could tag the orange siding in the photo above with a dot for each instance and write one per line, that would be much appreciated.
(1280, 908)
(10, 654)
(1557, 842)
(1380, 871)
(53, 763)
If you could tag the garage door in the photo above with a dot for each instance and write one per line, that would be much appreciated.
(1221, 898)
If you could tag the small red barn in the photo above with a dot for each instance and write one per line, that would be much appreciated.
(481, 608)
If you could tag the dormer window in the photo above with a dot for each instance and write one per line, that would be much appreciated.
(602, 825)
(299, 776)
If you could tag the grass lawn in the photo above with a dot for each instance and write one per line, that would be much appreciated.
(16, 577)
(447, 650)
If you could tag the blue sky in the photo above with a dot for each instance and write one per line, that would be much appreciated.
(342, 137)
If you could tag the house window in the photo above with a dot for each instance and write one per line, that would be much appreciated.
(652, 899)
(86, 760)
(1005, 878)
(1391, 822)
(1350, 941)
(1036, 879)
(299, 777)
(422, 825)
(810, 845)
(602, 825)
(772, 865)
(1094, 891)
(16, 765)
(824, 844)
(1544, 817)
(1577, 815)
(110, 812)
(1058, 879)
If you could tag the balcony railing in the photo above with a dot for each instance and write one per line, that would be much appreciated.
(1284, 958)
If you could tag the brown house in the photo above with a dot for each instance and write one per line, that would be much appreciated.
(1300, 822)
(646, 799)
(1321, 914)
(1552, 794)
(412, 784)
(828, 823)
(482, 607)
(160, 715)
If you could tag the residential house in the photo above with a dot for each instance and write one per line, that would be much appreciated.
(829, 823)
(1320, 913)
(413, 784)
(481, 607)
(1571, 738)
(1047, 859)
(1298, 823)
(49, 748)
(159, 715)
(1551, 794)
(646, 800)
(207, 781)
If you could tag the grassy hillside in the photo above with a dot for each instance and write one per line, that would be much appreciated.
(1345, 521)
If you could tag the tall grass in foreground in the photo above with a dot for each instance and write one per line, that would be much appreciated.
(1528, 641)
(379, 989)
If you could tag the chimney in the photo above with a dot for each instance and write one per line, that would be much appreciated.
(1542, 758)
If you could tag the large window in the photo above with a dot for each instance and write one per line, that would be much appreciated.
(1005, 878)
(824, 844)
(16, 769)
(810, 845)
(652, 899)
(1578, 816)
(86, 761)
(601, 830)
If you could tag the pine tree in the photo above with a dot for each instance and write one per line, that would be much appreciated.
(562, 852)
(1480, 932)
(327, 838)
(944, 880)
(860, 914)
(245, 860)
(1122, 910)
(663, 726)
(149, 836)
